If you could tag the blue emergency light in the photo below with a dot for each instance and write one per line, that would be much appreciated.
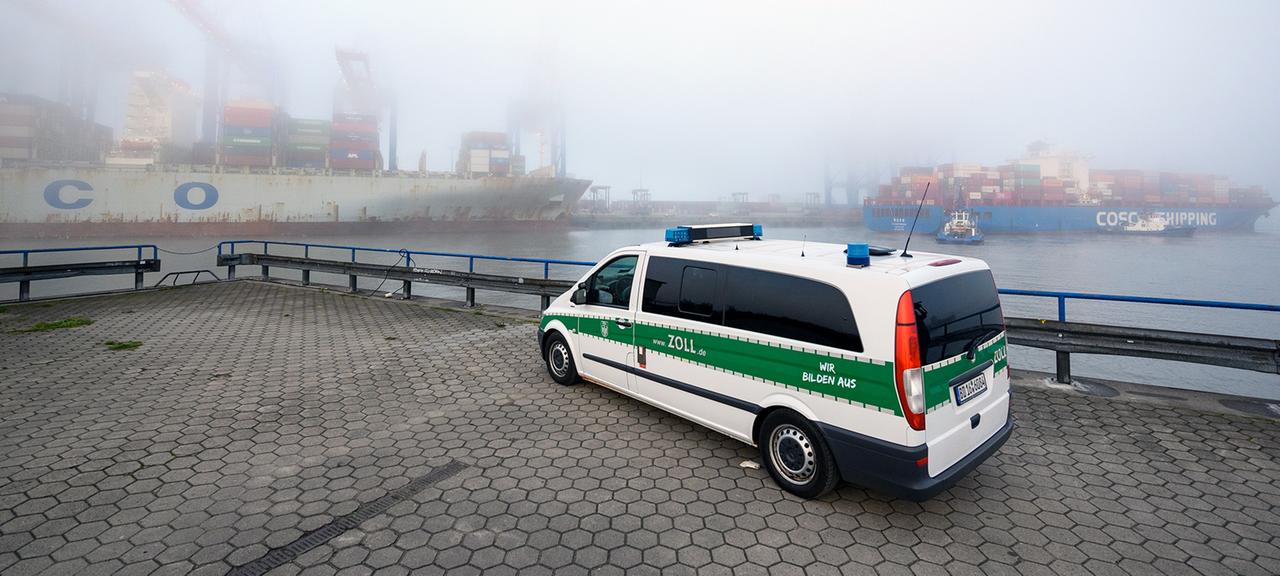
(690, 234)
(858, 254)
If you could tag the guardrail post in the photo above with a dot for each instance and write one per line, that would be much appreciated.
(266, 270)
(24, 290)
(306, 277)
(1063, 367)
(546, 302)
(352, 279)
(231, 271)
(408, 290)
(471, 297)
(137, 280)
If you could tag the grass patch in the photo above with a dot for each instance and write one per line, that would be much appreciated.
(4, 309)
(72, 322)
(127, 345)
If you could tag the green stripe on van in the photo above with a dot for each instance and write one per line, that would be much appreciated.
(938, 376)
(852, 380)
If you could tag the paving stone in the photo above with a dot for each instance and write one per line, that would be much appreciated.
(255, 413)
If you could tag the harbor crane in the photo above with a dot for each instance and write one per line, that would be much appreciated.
(220, 46)
(360, 94)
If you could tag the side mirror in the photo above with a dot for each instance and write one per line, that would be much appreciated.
(579, 295)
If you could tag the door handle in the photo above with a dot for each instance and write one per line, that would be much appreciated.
(623, 323)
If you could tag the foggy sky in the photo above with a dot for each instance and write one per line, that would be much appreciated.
(700, 100)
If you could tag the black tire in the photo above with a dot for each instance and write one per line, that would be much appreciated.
(796, 455)
(559, 360)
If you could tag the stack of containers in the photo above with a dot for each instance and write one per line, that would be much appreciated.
(247, 129)
(306, 143)
(484, 154)
(36, 129)
(353, 142)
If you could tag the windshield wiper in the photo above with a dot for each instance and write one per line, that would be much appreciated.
(968, 347)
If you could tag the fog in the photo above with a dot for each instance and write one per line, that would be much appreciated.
(699, 100)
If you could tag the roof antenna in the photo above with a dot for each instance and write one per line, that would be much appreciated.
(917, 219)
(803, 240)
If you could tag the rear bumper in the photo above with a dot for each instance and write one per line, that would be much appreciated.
(892, 469)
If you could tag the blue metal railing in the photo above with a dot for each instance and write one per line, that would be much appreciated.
(25, 274)
(27, 252)
(407, 255)
(1062, 298)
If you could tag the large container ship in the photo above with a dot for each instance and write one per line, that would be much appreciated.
(267, 173)
(1051, 191)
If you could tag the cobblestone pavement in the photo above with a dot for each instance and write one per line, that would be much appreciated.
(262, 427)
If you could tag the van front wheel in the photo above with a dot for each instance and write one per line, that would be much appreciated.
(796, 455)
(560, 360)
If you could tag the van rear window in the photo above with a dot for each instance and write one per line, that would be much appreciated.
(954, 312)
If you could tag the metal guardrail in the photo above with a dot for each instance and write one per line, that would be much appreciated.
(25, 274)
(1065, 338)
(404, 269)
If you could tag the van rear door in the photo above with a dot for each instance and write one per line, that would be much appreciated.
(963, 352)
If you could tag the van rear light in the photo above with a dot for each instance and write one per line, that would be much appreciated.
(906, 363)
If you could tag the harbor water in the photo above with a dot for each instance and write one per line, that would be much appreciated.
(1230, 266)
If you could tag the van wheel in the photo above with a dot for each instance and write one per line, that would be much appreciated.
(796, 455)
(560, 360)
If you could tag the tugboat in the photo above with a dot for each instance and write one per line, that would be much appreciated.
(1150, 225)
(960, 229)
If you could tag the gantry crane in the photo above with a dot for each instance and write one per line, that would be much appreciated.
(361, 95)
(219, 46)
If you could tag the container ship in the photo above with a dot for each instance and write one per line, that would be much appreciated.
(1052, 191)
(265, 173)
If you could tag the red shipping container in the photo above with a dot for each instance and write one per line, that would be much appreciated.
(247, 118)
(355, 144)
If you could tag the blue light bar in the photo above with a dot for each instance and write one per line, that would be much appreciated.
(706, 232)
(858, 254)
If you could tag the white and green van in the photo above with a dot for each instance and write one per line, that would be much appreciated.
(839, 362)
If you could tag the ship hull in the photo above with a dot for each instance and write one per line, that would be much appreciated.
(40, 202)
(999, 219)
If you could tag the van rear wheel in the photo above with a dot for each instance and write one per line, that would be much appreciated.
(796, 455)
(560, 360)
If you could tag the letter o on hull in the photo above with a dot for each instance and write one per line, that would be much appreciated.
(182, 195)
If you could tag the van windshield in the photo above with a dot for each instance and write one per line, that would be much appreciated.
(954, 312)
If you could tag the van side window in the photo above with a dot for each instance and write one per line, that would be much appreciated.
(698, 291)
(790, 307)
(611, 285)
(682, 289)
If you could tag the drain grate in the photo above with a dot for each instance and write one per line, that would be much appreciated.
(277, 557)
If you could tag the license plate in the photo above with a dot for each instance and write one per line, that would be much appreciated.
(968, 390)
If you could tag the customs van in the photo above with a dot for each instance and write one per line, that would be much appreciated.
(840, 362)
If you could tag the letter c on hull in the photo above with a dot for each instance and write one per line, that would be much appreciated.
(182, 195)
(53, 194)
